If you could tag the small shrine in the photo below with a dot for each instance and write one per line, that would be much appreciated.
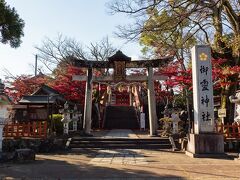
(35, 111)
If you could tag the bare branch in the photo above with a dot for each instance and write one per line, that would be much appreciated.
(52, 52)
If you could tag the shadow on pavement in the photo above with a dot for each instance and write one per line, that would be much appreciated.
(70, 169)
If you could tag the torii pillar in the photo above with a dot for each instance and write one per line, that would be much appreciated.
(87, 119)
(151, 103)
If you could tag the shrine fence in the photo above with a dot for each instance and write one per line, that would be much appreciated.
(229, 130)
(34, 129)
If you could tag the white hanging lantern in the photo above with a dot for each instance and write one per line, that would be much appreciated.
(109, 90)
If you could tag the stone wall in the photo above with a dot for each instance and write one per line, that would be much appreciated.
(37, 145)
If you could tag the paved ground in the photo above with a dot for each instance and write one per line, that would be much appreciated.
(122, 164)
(119, 157)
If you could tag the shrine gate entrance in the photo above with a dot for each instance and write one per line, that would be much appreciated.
(120, 98)
(119, 63)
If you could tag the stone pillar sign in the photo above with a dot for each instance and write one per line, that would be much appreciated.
(203, 90)
(204, 142)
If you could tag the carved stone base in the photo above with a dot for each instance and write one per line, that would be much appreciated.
(3, 157)
(237, 159)
(23, 155)
(205, 145)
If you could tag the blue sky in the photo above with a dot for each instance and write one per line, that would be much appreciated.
(86, 21)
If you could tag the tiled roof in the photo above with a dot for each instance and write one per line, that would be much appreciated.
(38, 99)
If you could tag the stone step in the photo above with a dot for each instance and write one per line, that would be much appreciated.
(116, 142)
(123, 143)
(122, 146)
(118, 139)
(120, 117)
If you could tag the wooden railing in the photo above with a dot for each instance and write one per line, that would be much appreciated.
(35, 129)
(229, 130)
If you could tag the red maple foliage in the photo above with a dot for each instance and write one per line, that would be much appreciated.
(61, 82)
(24, 85)
(71, 90)
(223, 75)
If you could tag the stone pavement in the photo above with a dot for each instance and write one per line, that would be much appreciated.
(122, 164)
(119, 156)
(122, 156)
(155, 165)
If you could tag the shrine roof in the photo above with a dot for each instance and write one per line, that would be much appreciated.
(119, 56)
(46, 90)
(38, 99)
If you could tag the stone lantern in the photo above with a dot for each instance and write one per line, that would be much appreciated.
(75, 117)
(236, 100)
(175, 121)
(66, 118)
(5, 106)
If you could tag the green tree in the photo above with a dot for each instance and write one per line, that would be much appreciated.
(209, 21)
(165, 24)
(171, 39)
(11, 25)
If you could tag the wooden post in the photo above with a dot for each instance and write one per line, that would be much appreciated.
(28, 129)
(40, 129)
(1, 137)
(34, 129)
(130, 96)
(238, 125)
(233, 130)
(18, 127)
(151, 103)
(12, 128)
(4, 131)
(228, 130)
(45, 129)
(87, 120)
(110, 98)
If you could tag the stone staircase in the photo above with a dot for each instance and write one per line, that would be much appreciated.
(119, 143)
(120, 117)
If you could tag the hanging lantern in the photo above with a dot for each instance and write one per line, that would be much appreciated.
(133, 89)
(120, 88)
(139, 88)
(109, 91)
(129, 89)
